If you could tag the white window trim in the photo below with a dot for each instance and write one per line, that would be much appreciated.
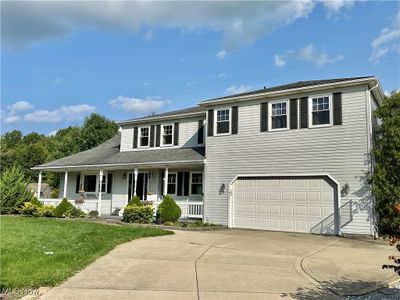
(176, 183)
(97, 190)
(310, 124)
(140, 137)
(162, 135)
(190, 183)
(270, 115)
(215, 121)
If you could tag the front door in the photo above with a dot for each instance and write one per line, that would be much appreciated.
(141, 186)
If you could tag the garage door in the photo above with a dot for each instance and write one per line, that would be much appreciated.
(298, 204)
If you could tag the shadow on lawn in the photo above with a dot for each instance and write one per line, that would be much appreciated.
(340, 289)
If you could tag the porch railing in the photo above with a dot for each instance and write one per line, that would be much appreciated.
(190, 209)
(86, 206)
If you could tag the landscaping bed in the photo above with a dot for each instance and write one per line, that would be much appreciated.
(39, 252)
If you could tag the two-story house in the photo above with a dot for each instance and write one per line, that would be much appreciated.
(291, 158)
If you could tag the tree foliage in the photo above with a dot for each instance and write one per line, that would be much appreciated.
(385, 180)
(14, 186)
(34, 148)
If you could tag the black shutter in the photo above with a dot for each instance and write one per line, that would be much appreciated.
(135, 137)
(337, 108)
(176, 134)
(152, 136)
(158, 133)
(179, 183)
(235, 119)
(186, 184)
(78, 183)
(264, 117)
(162, 183)
(304, 112)
(293, 113)
(210, 122)
(109, 183)
(200, 132)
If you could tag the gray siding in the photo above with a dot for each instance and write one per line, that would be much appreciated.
(340, 151)
(187, 134)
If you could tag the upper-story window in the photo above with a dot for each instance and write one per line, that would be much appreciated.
(167, 134)
(144, 136)
(279, 115)
(223, 121)
(321, 110)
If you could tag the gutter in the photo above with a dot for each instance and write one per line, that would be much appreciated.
(155, 118)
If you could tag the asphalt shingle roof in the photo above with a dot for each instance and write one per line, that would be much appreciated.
(289, 86)
(109, 153)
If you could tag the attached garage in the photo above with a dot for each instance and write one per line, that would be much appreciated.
(286, 203)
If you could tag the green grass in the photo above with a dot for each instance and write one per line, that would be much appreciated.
(75, 244)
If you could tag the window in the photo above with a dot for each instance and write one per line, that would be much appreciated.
(196, 184)
(103, 184)
(171, 184)
(320, 110)
(223, 121)
(167, 134)
(144, 137)
(89, 183)
(279, 115)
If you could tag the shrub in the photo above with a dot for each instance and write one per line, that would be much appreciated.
(36, 202)
(74, 212)
(138, 214)
(135, 201)
(54, 194)
(14, 187)
(61, 208)
(169, 210)
(93, 214)
(45, 211)
(28, 209)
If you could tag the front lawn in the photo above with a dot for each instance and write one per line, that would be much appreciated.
(44, 252)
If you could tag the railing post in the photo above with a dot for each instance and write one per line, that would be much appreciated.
(39, 188)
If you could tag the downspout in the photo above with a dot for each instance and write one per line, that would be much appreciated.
(370, 156)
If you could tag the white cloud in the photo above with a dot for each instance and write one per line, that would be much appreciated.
(221, 54)
(237, 89)
(239, 22)
(387, 41)
(137, 105)
(20, 106)
(57, 80)
(279, 60)
(221, 75)
(52, 133)
(307, 54)
(64, 113)
(12, 119)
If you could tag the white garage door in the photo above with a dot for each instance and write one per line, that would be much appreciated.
(284, 204)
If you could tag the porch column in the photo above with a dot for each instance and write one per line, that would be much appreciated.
(100, 184)
(65, 184)
(39, 188)
(135, 173)
(166, 182)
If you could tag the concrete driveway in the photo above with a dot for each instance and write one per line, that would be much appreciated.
(233, 264)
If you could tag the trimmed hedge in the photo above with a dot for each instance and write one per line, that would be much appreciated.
(135, 201)
(36, 202)
(61, 208)
(45, 211)
(74, 212)
(138, 214)
(168, 210)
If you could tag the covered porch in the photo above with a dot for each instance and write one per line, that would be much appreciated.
(108, 189)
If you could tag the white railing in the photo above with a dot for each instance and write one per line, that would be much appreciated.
(86, 206)
(190, 209)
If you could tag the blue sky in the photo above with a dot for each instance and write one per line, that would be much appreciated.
(62, 61)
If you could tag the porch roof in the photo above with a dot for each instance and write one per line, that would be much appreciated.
(108, 155)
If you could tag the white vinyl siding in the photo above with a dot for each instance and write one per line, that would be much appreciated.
(187, 134)
(337, 150)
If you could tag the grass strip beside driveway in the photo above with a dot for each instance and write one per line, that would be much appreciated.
(44, 252)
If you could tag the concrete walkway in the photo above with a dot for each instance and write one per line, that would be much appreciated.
(233, 264)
